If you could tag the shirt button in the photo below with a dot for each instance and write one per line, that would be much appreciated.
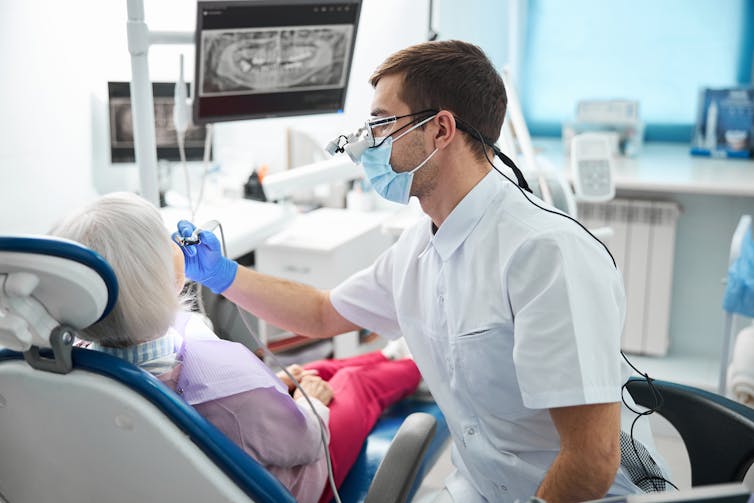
(442, 299)
(470, 430)
(179, 391)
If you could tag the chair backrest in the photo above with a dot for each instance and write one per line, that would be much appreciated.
(718, 433)
(108, 431)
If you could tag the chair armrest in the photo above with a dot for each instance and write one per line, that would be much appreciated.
(397, 471)
(717, 432)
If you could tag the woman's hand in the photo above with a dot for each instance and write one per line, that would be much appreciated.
(298, 372)
(315, 387)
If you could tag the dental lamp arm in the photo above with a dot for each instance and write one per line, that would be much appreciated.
(516, 116)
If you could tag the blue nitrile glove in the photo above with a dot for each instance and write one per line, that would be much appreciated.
(204, 261)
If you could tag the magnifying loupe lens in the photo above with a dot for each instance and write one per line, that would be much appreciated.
(356, 149)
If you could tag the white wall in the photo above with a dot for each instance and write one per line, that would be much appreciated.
(481, 22)
(57, 58)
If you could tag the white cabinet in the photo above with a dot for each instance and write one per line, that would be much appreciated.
(322, 248)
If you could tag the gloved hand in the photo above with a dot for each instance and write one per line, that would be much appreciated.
(204, 261)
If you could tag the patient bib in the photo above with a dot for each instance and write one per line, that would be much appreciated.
(216, 368)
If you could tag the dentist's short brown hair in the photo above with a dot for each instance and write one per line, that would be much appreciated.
(450, 75)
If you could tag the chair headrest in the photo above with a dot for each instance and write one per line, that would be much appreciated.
(48, 281)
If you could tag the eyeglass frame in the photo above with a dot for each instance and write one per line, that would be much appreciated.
(380, 121)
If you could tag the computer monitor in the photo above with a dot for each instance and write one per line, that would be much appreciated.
(272, 58)
(121, 125)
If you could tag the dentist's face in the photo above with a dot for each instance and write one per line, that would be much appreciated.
(413, 148)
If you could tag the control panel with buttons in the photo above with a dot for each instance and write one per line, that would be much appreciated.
(592, 167)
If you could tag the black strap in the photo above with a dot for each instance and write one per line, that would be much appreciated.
(471, 130)
(509, 162)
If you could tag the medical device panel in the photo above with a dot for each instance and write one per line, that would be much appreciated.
(592, 165)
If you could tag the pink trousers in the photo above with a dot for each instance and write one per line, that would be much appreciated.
(363, 386)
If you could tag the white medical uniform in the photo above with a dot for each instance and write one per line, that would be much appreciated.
(508, 310)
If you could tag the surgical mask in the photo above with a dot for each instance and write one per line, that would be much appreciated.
(386, 182)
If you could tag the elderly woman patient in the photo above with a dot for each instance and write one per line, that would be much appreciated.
(224, 381)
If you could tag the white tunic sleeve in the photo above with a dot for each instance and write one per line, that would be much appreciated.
(366, 298)
(568, 305)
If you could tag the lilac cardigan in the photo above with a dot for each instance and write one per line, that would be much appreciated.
(235, 391)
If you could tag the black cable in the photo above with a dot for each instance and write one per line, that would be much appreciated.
(508, 162)
(658, 403)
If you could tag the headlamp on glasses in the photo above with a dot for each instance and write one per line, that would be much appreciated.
(372, 134)
(376, 130)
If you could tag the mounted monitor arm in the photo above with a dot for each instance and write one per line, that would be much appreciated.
(142, 103)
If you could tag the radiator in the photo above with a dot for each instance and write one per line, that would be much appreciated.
(643, 245)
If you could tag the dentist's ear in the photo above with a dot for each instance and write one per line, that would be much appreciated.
(446, 129)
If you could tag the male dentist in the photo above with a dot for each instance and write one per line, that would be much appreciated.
(512, 311)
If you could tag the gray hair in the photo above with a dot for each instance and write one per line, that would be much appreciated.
(129, 233)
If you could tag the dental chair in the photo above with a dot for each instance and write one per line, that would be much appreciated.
(79, 425)
(718, 433)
